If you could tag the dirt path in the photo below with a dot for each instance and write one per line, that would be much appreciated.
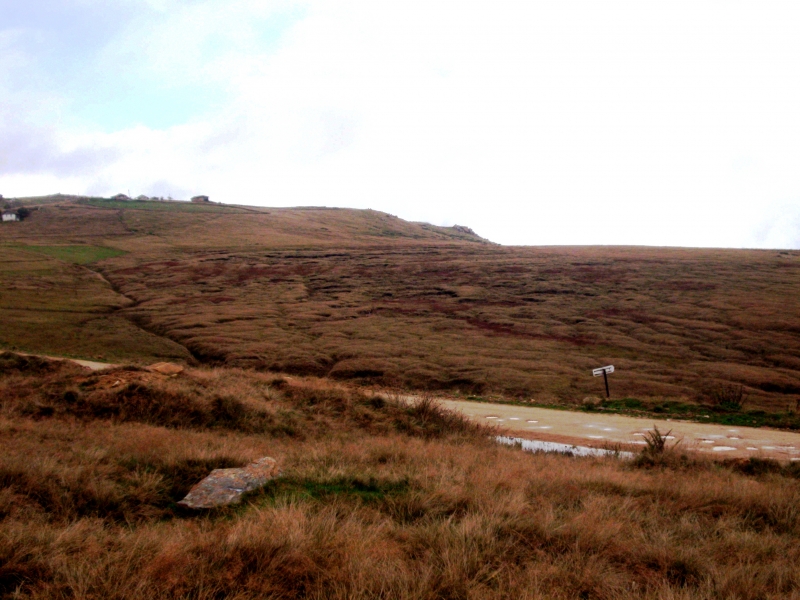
(89, 364)
(598, 430)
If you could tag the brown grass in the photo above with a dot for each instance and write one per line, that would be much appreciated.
(518, 323)
(377, 499)
(366, 297)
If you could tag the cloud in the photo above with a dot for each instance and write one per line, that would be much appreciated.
(578, 122)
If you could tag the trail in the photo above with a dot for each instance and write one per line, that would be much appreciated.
(598, 430)
(89, 364)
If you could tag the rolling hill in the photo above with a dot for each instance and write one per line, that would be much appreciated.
(289, 320)
(365, 296)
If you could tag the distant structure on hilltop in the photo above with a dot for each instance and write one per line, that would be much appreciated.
(464, 229)
(120, 197)
(10, 215)
(200, 199)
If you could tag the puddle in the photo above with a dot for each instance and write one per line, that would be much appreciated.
(723, 448)
(707, 441)
(595, 437)
(752, 449)
(733, 437)
(540, 446)
(492, 417)
(531, 421)
(513, 418)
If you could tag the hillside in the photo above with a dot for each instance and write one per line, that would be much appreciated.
(377, 499)
(303, 332)
(365, 296)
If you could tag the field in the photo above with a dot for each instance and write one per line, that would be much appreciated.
(81, 255)
(367, 297)
(377, 500)
(302, 332)
(154, 205)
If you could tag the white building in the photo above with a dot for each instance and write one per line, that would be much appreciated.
(9, 215)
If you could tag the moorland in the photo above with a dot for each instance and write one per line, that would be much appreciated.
(363, 296)
(300, 329)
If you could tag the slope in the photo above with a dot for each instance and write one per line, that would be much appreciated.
(365, 296)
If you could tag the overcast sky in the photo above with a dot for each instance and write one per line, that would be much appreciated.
(557, 122)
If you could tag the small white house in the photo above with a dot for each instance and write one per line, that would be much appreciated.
(10, 215)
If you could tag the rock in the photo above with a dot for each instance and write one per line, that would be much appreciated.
(591, 401)
(464, 229)
(165, 368)
(226, 486)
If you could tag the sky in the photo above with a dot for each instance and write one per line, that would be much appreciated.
(557, 122)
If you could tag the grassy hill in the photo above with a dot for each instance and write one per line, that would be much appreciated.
(287, 318)
(365, 296)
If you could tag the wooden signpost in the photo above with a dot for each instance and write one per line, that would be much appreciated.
(604, 371)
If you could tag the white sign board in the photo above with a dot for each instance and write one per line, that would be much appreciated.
(601, 370)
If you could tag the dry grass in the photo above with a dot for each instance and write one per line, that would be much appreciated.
(376, 500)
(366, 297)
(519, 323)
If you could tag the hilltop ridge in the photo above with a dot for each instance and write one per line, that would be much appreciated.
(179, 222)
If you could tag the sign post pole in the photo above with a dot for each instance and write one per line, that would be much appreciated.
(604, 371)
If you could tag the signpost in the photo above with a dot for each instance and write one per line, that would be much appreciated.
(604, 371)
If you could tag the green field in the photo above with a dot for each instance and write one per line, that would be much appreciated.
(167, 205)
(80, 255)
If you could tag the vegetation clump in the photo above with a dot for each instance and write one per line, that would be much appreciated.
(728, 397)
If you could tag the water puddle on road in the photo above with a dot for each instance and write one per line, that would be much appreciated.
(540, 446)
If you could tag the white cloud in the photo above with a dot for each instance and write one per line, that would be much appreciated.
(569, 122)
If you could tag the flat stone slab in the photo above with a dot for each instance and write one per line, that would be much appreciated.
(165, 368)
(227, 486)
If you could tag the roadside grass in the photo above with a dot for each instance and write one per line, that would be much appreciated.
(87, 506)
(702, 413)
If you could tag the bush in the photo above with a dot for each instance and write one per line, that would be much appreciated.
(656, 452)
(728, 397)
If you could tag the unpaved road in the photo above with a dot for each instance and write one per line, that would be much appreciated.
(598, 430)
(89, 364)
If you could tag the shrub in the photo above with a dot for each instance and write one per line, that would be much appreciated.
(728, 397)
(655, 452)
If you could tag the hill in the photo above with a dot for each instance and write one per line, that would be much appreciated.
(302, 330)
(361, 295)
